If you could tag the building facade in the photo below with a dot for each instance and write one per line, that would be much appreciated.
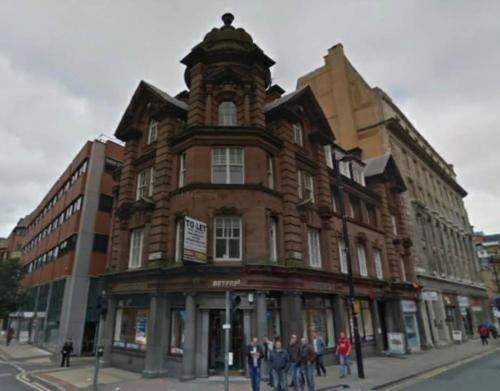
(230, 186)
(64, 251)
(488, 252)
(454, 297)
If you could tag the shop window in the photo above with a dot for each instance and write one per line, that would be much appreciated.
(227, 238)
(135, 255)
(343, 256)
(227, 114)
(177, 321)
(182, 169)
(314, 246)
(363, 271)
(131, 325)
(366, 322)
(320, 319)
(227, 165)
(273, 239)
(305, 186)
(377, 260)
(153, 131)
(270, 172)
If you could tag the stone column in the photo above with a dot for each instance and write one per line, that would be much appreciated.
(261, 314)
(379, 341)
(291, 314)
(203, 344)
(188, 362)
(108, 329)
(157, 338)
(340, 316)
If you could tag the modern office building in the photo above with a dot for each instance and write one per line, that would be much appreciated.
(64, 250)
(454, 297)
(230, 186)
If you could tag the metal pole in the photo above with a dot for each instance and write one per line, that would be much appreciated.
(96, 351)
(226, 341)
(345, 234)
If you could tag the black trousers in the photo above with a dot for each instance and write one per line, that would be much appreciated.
(65, 359)
(319, 365)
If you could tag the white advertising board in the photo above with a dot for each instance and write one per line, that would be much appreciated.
(195, 240)
(396, 343)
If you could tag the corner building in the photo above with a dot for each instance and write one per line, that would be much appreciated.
(255, 168)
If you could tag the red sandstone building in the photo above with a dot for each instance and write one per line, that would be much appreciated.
(65, 241)
(230, 185)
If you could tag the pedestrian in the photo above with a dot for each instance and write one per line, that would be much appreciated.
(294, 363)
(10, 335)
(255, 354)
(483, 333)
(268, 346)
(494, 332)
(319, 349)
(279, 367)
(66, 351)
(344, 348)
(307, 357)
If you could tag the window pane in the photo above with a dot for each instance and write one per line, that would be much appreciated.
(220, 248)
(219, 174)
(236, 174)
(178, 317)
(234, 248)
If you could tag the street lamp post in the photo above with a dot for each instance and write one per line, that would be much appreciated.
(345, 234)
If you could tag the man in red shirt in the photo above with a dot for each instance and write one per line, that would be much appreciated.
(344, 347)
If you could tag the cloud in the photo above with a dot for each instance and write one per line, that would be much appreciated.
(68, 69)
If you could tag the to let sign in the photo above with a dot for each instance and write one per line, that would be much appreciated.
(195, 240)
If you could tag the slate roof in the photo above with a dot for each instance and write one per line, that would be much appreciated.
(170, 99)
(376, 165)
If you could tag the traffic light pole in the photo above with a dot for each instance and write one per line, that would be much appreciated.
(227, 326)
(96, 350)
(345, 234)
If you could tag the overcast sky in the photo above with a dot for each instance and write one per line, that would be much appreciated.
(69, 68)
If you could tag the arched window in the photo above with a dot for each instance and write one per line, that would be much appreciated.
(227, 114)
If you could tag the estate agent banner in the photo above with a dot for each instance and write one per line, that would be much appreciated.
(195, 241)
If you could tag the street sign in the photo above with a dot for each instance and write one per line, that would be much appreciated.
(429, 295)
(226, 326)
(230, 359)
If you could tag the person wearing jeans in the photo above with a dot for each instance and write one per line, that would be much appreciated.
(255, 354)
(319, 349)
(344, 347)
(294, 365)
(307, 357)
(279, 366)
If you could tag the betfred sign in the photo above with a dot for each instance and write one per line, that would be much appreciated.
(194, 241)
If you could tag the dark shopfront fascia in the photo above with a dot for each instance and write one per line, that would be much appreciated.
(181, 332)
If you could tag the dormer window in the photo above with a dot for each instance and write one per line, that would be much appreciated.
(227, 114)
(153, 131)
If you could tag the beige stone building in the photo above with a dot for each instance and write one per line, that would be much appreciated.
(454, 297)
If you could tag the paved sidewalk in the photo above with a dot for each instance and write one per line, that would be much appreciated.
(379, 371)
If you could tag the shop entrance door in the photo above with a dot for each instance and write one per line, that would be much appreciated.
(216, 342)
(411, 326)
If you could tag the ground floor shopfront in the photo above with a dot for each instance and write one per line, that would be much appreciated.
(180, 332)
(451, 312)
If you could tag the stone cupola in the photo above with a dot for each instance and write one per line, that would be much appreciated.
(227, 75)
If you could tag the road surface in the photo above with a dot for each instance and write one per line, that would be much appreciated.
(479, 375)
(8, 381)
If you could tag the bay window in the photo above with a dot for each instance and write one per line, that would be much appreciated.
(363, 271)
(228, 165)
(313, 241)
(135, 255)
(227, 238)
(305, 186)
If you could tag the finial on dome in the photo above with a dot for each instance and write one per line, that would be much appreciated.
(227, 18)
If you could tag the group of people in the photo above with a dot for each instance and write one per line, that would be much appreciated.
(298, 360)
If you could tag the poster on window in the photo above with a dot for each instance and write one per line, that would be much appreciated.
(195, 241)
